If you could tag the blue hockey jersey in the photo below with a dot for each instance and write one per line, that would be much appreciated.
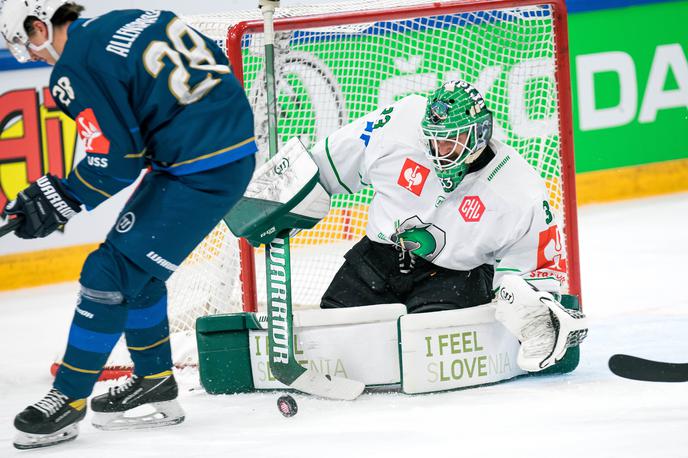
(147, 90)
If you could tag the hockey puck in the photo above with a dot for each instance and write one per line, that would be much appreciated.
(287, 406)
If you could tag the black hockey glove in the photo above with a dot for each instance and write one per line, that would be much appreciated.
(43, 207)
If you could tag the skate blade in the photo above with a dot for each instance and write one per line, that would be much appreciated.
(27, 441)
(163, 414)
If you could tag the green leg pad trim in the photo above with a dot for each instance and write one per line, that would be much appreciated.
(224, 360)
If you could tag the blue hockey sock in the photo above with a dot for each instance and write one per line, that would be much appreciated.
(97, 325)
(109, 280)
(147, 330)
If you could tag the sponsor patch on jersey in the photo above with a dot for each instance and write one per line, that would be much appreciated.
(550, 253)
(91, 134)
(413, 176)
(471, 209)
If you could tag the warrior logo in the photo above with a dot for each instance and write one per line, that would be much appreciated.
(278, 276)
(422, 239)
(162, 262)
(413, 176)
(91, 134)
(125, 223)
(282, 166)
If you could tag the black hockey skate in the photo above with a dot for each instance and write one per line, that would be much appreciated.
(141, 402)
(52, 420)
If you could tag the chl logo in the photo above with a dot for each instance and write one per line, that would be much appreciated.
(413, 176)
(125, 223)
(91, 134)
(471, 209)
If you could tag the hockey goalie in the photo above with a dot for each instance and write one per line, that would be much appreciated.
(458, 219)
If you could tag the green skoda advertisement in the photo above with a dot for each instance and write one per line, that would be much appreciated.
(629, 73)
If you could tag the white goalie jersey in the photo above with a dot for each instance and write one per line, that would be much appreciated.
(498, 215)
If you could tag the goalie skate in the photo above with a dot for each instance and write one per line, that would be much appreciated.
(543, 326)
(139, 403)
(51, 421)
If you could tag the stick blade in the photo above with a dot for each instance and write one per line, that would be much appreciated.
(634, 368)
(326, 386)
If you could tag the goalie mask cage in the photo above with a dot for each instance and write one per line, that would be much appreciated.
(338, 61)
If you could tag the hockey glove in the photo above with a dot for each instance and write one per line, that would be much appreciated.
(43, 207)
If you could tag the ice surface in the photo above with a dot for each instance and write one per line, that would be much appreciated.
(633, 268)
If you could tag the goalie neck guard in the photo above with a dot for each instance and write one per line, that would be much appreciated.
(455, 113)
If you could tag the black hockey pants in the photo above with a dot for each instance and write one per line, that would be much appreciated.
(371, 275)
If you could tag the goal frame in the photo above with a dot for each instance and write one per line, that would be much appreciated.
(236, 33)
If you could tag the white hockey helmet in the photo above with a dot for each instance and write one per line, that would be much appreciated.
(12, 16)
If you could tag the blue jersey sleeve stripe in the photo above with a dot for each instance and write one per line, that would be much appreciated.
(89, 185)
(215, 153)
(147, 317)
(135, 156)
(213, 160)
(96, 342)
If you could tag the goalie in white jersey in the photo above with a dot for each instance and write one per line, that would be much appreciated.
(456, 215)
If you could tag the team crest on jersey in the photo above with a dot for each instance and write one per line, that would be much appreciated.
(91, 134)
(422, 239)
(413, 176)
(471, 209)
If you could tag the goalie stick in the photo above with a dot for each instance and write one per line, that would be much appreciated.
(283, 363)
(635, 368)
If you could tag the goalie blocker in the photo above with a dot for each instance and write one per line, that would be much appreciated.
(284, 193)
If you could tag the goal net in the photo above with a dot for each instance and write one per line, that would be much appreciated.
(338, 61)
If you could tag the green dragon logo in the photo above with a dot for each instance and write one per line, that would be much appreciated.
(422, 239)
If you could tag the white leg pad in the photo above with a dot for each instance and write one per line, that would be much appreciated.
(542, 325)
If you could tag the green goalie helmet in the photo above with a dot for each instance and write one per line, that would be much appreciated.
(457, 126)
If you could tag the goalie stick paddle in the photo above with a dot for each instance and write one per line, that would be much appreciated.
(9, 227)
(635, 368)
(283, 363)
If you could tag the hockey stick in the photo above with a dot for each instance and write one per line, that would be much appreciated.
(9, 227)
(635, 368)
(283, 363)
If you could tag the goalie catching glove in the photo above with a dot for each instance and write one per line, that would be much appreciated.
(542, 325)
(284, 193)
(42, 208)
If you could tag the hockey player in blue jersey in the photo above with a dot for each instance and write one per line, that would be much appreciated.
(147, 92)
